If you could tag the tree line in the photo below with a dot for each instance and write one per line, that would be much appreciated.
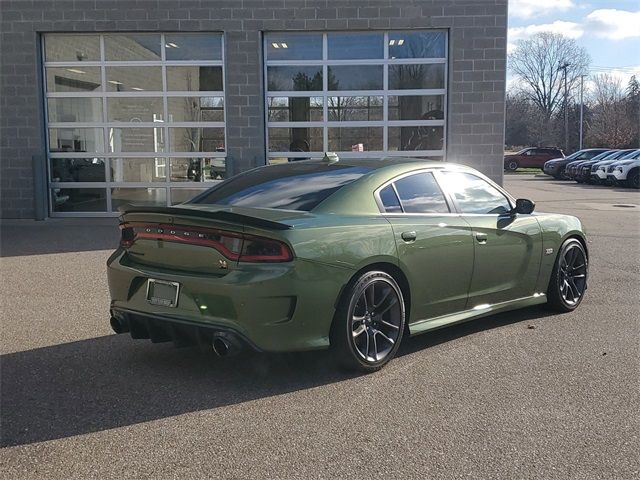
(536, 100)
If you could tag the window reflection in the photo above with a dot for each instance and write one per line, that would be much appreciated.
(194, 79)
(197, 139)
(197, 169)
(135, 109)
(357, 77)
(355, 45)
(475, 195)
(416, 76)
(192, 47)
(294, 109)
(131, 139)
(196, 109)
(390, 200)
(416, 138)
(122, 197)
(79, 199)
(346, 109)
(183, 195)
(134, 79)
(76, 140)
(416, 107)
(132, 47)
(420, 193)
(286, 78)
(77, 170)
(138, 169)
(73, 79)
(72, 48)
(295, 140)
(355, 139)
(417, 45)
(75, 109)
(293, 46)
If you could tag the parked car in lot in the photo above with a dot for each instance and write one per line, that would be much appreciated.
(583, 174)
(599, 169)
(556, 166)
(348, 254)
(626, 172)
(533, 157)
(572, 167)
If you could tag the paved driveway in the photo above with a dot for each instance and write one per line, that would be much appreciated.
(519, 395)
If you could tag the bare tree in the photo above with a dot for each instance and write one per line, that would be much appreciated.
(610, 124)
(536, 62)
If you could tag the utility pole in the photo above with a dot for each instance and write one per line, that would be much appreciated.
(581, 107)
(566, 107)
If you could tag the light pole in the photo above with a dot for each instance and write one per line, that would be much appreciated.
(566, 107)
(581, 107)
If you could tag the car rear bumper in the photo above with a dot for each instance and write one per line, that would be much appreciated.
(285, 306)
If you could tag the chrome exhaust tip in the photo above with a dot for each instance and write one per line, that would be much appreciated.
(220, 347)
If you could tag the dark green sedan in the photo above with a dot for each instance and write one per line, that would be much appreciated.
(341, 253)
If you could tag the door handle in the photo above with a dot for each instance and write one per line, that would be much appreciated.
(408, 236)
(481, 238)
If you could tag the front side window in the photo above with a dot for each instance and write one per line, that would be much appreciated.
(475, 195)
(355, 93)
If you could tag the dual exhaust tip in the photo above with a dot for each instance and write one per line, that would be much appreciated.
(223, 344)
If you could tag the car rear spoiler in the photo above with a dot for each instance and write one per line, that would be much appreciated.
(222, 215)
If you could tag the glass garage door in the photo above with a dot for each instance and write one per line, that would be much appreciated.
(358, 94)
(132, 119)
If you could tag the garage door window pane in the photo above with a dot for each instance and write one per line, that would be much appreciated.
(355, 139)
(343, 46)
(197, 139)
(196, 109)
(295, 109)
(182, 195)
(73, 79)
(417, 45)
(72, 48)
(286, 78)
(194, 79)
(361, 77)
(75, 109)
(79, 199)
(415, 107)
(345, 109)
(193, 47)
(295, 139)
(77, 169)
(132, 47)
(134, 79)
(293, 46)
(76, 140)
(416, 138)
(127, 139)
(135, 109)
(416, 76)
(148, 197)
(138, 169)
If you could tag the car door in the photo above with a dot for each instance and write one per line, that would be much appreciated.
(434, 244)
(507, 247)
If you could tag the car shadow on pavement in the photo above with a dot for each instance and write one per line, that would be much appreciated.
(108, 382)
(57, 236)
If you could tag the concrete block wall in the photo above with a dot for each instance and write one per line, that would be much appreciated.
(477, 51)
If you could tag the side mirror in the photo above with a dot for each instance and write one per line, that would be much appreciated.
(524, 205)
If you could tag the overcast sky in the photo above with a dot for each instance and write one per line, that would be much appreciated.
(608, 29)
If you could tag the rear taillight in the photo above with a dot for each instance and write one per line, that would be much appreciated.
(234, 246)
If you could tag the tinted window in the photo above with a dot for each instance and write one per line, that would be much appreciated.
(390, 200)
(475, 195)
(420, 193)
(291, 187)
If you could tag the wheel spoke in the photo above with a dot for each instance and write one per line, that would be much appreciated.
(390, 303)
(579, 275)
(384, 298)
(368, 297)
(385, 337)
(390, 325)
(575, 288)
(375, 347)
(359, 331)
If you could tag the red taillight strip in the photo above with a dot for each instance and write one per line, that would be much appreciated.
(285, 254)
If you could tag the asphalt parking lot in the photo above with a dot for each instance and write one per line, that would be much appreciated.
(524, 394)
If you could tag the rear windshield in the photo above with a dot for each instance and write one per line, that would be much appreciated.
(300, 186)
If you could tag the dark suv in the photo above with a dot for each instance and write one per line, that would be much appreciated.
(556, 167)
(533, 157)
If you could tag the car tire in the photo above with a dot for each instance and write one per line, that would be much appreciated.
(633, 178)
(363, 338)
(568, 281)
(511, 165)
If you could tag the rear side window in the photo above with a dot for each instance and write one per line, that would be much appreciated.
(293, 186)
(420, 193)
(390, 200)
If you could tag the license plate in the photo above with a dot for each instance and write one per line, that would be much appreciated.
(161, 292)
